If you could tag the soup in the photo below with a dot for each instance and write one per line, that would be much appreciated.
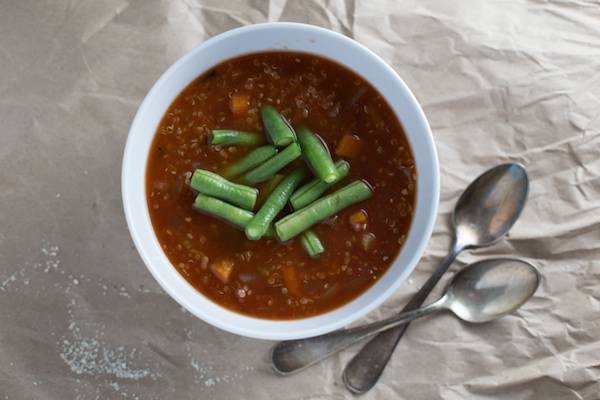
(346, 250)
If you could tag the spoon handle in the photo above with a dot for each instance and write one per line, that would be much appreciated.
(293, 355)
(365, 368)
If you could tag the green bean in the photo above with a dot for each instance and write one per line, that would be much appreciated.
(211, 184)
(311, 243)
(232, 214)
(231, 136)
(218, 208)
(316, 154)
(315, 188)
(299, 221)
(278, 128)
(273, 164)
(257, 227)
(250, 160)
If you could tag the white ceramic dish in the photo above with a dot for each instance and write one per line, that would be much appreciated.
(257, 38)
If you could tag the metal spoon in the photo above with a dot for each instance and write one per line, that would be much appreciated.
(481, 292)
(484, 213)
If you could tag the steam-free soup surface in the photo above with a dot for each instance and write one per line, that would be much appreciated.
(269, 279)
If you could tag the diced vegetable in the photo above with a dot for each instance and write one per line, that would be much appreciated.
(250, 160)
(211, 184)
(317, 155)
(315, 188)
(349, 146)
(273, 165)
(278, 128)
(291, 281)
(358, 221)
(233, 137)
(239, 104)
(222, 269)
(218, 208)
(257, 227)
(267, 188)
(299, 221)
(312, 244)
(367, 241)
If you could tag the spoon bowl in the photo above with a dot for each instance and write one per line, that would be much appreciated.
(490, 289)
(490, 206)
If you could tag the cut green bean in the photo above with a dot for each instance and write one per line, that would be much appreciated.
(249, 161)
(316, 154)
(257, 227)
(218, 208)
(311, 243)
(240, 138)
(225, 211)
(211, 184)
(299, 221)
(273, 165)
(278, 128)
(316, 187)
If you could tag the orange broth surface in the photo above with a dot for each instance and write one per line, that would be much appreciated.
(271, 279)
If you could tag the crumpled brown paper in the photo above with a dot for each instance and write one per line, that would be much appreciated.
(81, 318)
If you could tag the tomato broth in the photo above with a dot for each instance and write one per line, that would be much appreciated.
(269, 279)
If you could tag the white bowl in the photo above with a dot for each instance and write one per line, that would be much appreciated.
(257, 38)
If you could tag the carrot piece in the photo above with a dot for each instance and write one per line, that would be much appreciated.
(358, 220)
(240, 103)
(359, 217)
(349, 146)
(290, 279)
(222, 269)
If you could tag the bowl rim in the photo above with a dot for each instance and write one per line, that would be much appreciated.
(244, 322)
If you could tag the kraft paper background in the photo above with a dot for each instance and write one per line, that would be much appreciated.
(80, 316)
